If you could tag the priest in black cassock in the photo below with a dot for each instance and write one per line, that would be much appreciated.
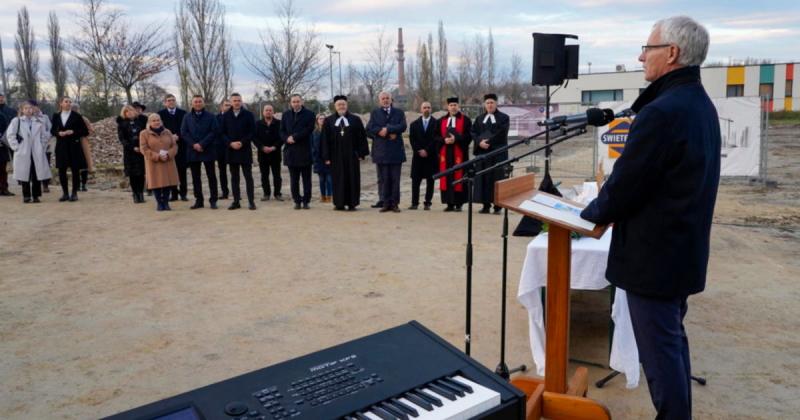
(344, 145)
(452, 144)
(490, 131)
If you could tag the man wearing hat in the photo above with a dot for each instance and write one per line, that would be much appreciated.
(344, 145)
(490, 132)
(452, 144)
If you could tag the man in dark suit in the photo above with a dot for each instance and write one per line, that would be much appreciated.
(172, 117)
(421, 135)
(69, 127)
(268, 143)
(297, 124)
(222, 152)
(490, 131)
(199, 131)
(386, 126)
(238, 129)
(660, 197)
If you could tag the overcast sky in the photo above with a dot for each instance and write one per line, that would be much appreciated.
(610, 31)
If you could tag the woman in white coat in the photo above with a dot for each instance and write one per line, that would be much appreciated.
(28, 137)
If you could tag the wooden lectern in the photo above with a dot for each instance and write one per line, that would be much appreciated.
(553, 397)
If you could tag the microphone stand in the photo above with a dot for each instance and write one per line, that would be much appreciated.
(502, 369)
(469, 168)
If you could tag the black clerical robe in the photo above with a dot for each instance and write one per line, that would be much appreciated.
(344, 145)
(494, 129)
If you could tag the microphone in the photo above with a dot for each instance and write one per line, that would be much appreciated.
(593, 116)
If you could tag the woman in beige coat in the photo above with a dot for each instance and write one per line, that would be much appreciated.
(159, 148)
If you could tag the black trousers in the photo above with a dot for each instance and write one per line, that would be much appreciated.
(222, 164)
(389, 183)
(137, 184)
(197, 180)
(295, 173)
(33, 181)
(267, 166)
(76, 179)
(247, 170)
(182, 188)
(3, 176)
(415, 184)
(664, 353)
(380, 184)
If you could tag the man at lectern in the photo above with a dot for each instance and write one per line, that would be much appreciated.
(660, 197)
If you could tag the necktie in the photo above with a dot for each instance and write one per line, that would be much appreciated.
(425, 124)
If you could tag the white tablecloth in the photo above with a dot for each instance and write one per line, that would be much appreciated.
(589, 258)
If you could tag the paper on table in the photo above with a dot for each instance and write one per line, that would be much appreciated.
(556, 209)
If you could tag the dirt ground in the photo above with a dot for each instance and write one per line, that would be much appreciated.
(106, 305)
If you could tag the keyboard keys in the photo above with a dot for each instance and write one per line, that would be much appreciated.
(382, 413)
(464, 387)
(405, 407)
(428, 397)
(419, 401)
(441, 391)
(394, 411)
(451, 388)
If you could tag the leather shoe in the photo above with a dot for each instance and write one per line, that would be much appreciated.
(297, 206)
(385, 209)
(278, 198)
(413, 207)
(265, 198)
(235, 205)
(212, 205)
(378, 205)
(26, 200)
(73, 197)
(427, 207)
(196, 205)
(305, 206)
(36, 200)
(449, 208)
(252, 206)
(64, 198)
(396, 209)
(183, 198)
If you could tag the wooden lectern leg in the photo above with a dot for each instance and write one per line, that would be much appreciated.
(559, 251)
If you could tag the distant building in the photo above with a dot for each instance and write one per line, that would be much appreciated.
(775, 81)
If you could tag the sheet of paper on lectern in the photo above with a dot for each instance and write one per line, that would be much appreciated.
(556, 209)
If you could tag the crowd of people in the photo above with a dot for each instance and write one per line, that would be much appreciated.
(158, 149)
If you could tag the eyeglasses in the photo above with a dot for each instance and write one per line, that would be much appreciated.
(649, 47)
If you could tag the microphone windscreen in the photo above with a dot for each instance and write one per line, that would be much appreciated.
(609, 115)
(596, 117)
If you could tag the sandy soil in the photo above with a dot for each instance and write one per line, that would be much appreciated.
(106, 305)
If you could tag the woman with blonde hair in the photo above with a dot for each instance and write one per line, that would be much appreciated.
(159, 149)
(129, 124)
(27, 136)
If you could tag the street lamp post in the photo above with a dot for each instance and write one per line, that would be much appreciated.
(330, 65)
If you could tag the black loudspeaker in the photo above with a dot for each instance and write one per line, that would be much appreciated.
(553, 61)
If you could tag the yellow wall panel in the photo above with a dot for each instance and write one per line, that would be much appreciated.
(736, 75)
(787, 104)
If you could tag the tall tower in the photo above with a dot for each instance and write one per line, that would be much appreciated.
(401, 68)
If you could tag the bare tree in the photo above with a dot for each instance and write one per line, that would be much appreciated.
(27, 55)
(411, 80)
(81, 77)
(182, 57)
(227, 69)
(201, 48)
(513, 87)
(441, 62)
(150, 93)
(58, 65)
(461, 79)
(95, 23)
(425, 75)
(135, 57)
(379, 66)
(491, 62)
(3, 77)
(288, 59)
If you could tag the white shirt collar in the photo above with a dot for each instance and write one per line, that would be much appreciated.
(451, 122)
(489, 117)
(342, 120)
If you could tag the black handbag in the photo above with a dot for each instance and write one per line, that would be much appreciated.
(19, 137)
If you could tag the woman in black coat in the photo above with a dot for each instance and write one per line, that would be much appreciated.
(129, 124)
(69, 127)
